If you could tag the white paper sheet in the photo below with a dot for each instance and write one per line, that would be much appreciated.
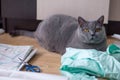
(10, 54)
(20, 75)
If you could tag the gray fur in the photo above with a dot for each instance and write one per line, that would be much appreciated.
(25, 33)
(60, 31)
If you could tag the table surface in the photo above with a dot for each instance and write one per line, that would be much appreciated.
(49, 62)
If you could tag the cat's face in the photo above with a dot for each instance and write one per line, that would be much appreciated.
(91, 32)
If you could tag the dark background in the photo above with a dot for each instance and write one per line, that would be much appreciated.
(21, 14)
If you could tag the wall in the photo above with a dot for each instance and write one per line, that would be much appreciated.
(89, 9)
(114, 10)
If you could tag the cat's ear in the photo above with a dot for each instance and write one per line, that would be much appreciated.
(101, 20)
(81, 21)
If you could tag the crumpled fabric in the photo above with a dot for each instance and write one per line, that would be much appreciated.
(87, 64)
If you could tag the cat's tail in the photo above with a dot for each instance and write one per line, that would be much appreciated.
(25, 33)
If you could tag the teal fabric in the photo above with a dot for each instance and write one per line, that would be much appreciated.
(114, 51)
(87, 64)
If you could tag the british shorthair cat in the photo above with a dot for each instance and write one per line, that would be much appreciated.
(60, 31)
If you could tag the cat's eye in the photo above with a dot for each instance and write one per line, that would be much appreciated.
(98, 29)
(85, 30)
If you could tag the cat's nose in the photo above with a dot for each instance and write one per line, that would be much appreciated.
(92, 34)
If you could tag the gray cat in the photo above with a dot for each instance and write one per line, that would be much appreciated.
(60, 31)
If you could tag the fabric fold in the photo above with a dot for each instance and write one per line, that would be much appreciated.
(91, 63)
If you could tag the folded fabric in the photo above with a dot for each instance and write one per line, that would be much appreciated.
(91, 63)
(114, 51)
